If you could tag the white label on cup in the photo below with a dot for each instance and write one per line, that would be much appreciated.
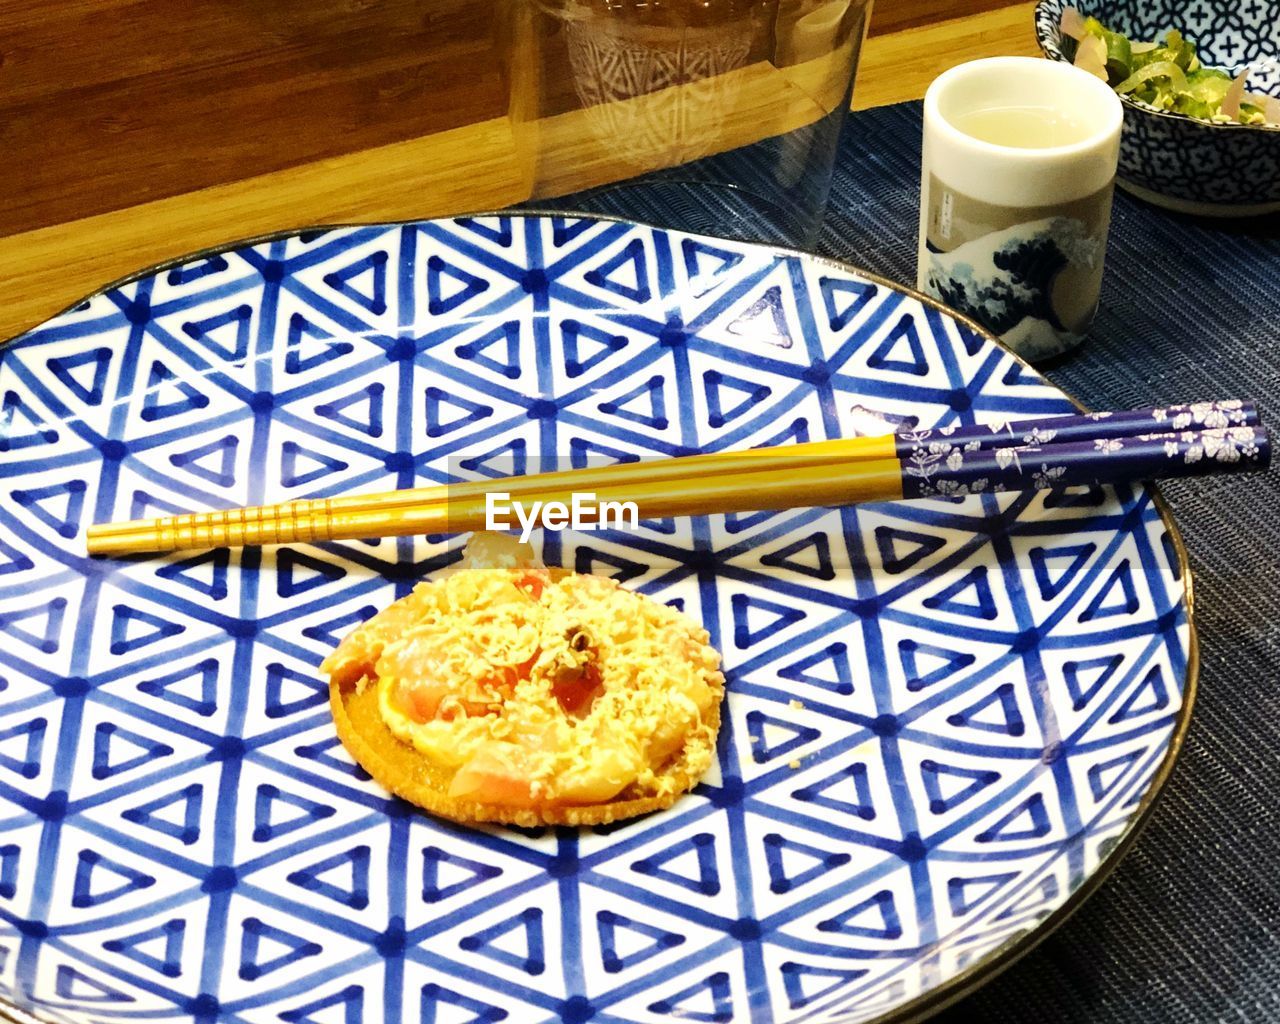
(944, 220)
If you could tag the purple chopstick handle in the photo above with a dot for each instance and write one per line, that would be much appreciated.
(944, 469)
(1086, 427)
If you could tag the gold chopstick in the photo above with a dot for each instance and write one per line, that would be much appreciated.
(1058, 452)
(803, 485)
(304, 519)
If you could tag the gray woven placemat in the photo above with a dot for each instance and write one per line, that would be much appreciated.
(1188, 928)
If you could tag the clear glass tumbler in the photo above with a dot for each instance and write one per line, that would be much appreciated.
(720, 116)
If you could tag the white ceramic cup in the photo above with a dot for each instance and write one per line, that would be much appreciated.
(1013, 235)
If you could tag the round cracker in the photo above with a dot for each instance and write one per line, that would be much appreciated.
(399, 768)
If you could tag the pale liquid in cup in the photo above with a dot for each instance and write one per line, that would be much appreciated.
(1022, 127)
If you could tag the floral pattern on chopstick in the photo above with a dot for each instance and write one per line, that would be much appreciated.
(941, 469)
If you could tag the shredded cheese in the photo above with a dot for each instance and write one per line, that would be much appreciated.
(566, 685)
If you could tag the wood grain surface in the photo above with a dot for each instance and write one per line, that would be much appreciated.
(135, 131)
(106, 104)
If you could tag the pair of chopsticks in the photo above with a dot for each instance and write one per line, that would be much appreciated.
(1063, 451)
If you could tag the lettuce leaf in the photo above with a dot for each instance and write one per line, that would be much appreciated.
(1166, 75)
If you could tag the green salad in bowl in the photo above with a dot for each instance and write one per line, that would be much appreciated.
(1200, 87)
(1167, 75)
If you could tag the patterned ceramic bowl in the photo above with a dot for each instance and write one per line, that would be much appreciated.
(1179, 162)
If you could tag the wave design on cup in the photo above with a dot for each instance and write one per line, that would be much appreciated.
(1022, 283)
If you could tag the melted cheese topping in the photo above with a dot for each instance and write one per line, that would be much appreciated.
(543, 689)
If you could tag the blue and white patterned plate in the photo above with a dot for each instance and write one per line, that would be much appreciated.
(944, 717)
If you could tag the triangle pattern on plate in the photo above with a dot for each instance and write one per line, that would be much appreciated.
(940, 715)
